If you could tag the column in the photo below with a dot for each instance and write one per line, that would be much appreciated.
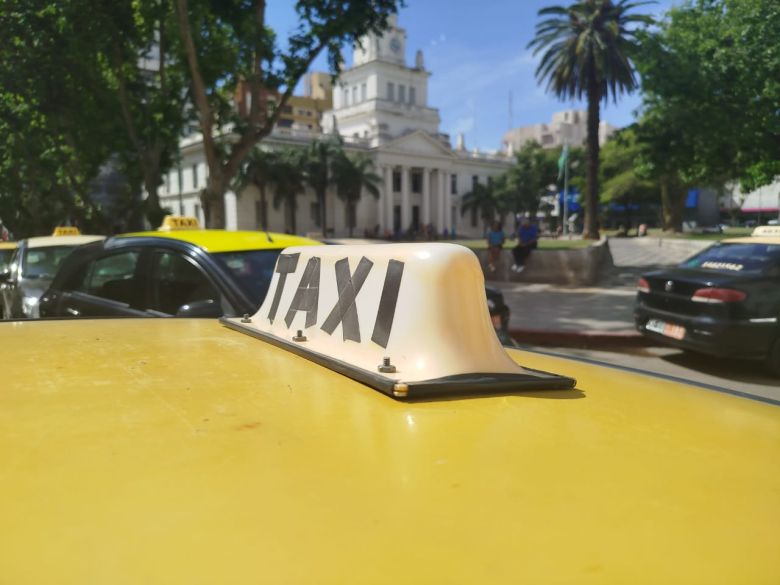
(406, 207)
(447, 203)
(426, 198)
(442, 188)
(389, 199)
(381, 203)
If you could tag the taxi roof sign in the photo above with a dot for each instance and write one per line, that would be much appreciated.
(179, 222)
(410, 320)
(772, 231)
(66, 230)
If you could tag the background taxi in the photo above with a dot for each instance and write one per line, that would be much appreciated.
(180, 270)
(32, 268)
(6, 252)
(723, 301)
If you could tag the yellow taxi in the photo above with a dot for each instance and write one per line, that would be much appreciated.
(364, 425)
(31, 269)
(178, 270)
(6, 251)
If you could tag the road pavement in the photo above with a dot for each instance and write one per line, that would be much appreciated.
(734, 376)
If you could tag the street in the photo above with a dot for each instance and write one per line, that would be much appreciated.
(737, 376)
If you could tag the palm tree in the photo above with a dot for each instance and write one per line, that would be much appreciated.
(318, 163)
(287, 179)
(481, 200)
(353, 174)
(257, 170)
(586, 47)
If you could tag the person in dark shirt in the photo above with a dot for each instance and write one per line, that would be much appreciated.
(527, 237)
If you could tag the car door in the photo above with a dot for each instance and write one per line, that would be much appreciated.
(111, 285)
(180, 287)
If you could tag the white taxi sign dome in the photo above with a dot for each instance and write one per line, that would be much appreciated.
(764, 231)
(407, 319)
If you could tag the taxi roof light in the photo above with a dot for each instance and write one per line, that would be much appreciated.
(767, 231)
(420, 307)
(66, 230)
(179, 222)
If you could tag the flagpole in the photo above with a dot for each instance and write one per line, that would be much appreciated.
(566, 188)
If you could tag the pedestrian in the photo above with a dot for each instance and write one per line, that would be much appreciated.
(495, 240)
(527, 238)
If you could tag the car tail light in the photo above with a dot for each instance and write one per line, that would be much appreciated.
(718, 295)
(643, 286)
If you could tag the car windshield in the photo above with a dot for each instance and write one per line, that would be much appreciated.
(253, 269)
(44, 262)
(730, 258)
(5, 259)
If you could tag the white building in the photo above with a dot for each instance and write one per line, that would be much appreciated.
(380, 108)
(569, 125)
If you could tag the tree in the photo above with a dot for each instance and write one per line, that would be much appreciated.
(626, 178)
(587, 49)
(534, 170)
(286, 177)
(711, 85)
(318, 163)
(481, 200)
(353, 175)
(257, 170)
(227, 43)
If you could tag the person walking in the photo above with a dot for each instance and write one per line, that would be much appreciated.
(527, 238)
(495, 240)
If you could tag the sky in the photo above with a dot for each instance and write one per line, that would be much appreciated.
(476, 52)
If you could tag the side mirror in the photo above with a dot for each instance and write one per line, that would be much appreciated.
(206, 308)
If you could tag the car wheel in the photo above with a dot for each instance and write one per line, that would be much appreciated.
(773, 358)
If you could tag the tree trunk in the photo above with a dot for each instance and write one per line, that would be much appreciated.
(212, 198)
(263, 208)
(673, 205)
(592, 189)
(291, 212)
(323, 212)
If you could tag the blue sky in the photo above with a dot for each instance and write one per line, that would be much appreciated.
(476, 51)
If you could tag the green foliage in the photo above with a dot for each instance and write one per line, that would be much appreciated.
(535, 170)
(353, 175)
(319, 161)
(625, 177)
(711, 89)
(586, 53)
(287, 178)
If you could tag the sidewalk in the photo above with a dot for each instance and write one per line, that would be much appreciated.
(548, 314)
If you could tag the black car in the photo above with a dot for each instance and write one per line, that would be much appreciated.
(724, 301)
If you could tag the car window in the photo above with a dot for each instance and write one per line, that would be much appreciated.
(178, 281)
(114, 277)
(5, 259)
(253, 269)
(44, 262)
(733, 258)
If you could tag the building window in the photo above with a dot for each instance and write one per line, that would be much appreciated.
(346, 97)
(401, 93)
(413, 95)
(453, 184)
(194, 176)
(396, 181)
(354, 95)
(474, 181)
(390, 91)
(363, 92)
(416, 182)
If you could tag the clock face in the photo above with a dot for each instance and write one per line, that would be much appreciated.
(395, 45)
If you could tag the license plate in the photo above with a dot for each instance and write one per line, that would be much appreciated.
(664, 328)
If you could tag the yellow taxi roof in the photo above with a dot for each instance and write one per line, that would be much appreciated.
(754, 240)
(230, 241)
(8, 245)
(179, 451)
(49, 241)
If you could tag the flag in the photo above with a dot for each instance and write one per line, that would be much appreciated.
(563, 160)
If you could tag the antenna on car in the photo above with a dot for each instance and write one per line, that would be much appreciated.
(268, 235)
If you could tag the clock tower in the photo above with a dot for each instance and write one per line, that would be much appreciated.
(380, 98)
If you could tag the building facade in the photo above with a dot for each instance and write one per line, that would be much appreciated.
(567, 126)
(380, 109)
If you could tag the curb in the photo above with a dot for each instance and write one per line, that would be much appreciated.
(584, 339)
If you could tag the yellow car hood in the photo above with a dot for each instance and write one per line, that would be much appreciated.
(178, 451)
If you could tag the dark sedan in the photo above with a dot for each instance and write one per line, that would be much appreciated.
(724, 301)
